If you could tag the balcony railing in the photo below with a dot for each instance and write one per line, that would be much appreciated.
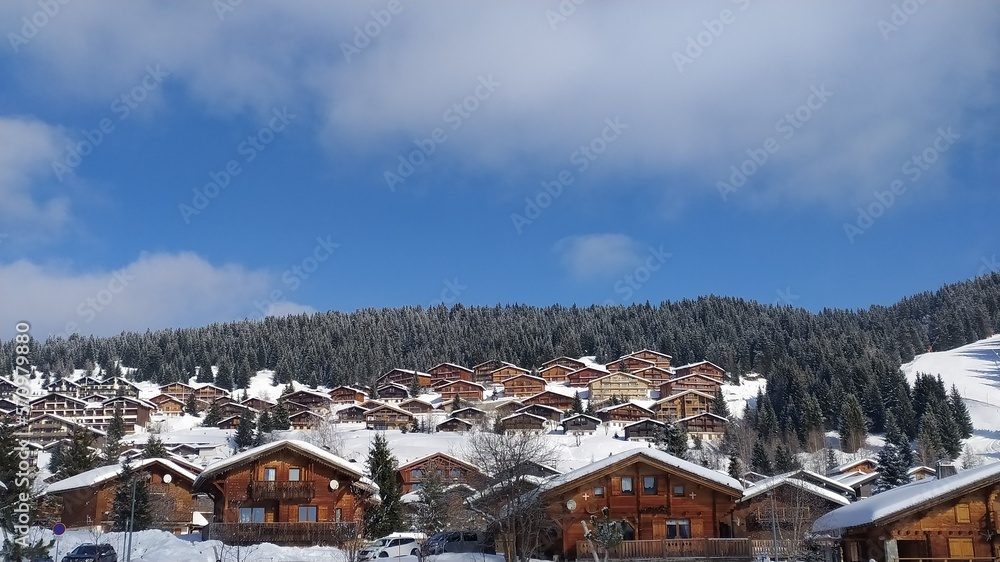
(319, 533)
(275, 490)
(674, 548)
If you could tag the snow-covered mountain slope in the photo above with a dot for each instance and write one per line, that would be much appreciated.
(975, 370)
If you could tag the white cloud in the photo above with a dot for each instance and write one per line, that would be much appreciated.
(155, 291)
(29, 205)
(595, 256)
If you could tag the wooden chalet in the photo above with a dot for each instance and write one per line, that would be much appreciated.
(701, 383)
(371, 404)
(550, 398)
(305, 420)
(393, 392)
(354, 413)
(787, 504)
(624, 413)
(541, 410)
(524, 421)
(258, 404)
(481, 372)
(451, 469)
(464, 389)
(580, 423)
(234, 409)
(135, 412)
(469, 414)
(507, 371)
(628, 364)
(509, 407)
(59, 404)
(113, 386)
(8, 406)
(521, 386)
(388, 417)
(62, 386)
(347, 395)
(950, 518)
(168, 405)
(405, 377)
(232, 422)
(178, 390)
(583, 376)
(624, 385)
(671, 507)
(285, 492)
(293, 407)
(48, 429)
(315, 401)
(7, 387)
(921, 473)
(87, 498)
(568, 362)
(454, 425)
(705, 425)
(866, 465)
(706, 368)
(862, 483)
(449, 372)
(661, 360)
(556, 373)
(644, 430)
(416, 406)
(655, 375)
(681, 405)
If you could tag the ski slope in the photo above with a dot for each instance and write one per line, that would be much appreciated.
(975, 370)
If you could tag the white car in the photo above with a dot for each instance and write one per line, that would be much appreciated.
(393, 546)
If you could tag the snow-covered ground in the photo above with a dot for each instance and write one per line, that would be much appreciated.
(975, 370)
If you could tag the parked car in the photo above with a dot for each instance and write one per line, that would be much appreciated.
(92, 553)
(459, 541)
(393, 546)
(40, 558)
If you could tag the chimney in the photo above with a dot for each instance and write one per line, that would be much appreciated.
(945, 469)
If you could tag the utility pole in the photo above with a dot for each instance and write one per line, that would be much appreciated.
(131, 522)
(774, 525)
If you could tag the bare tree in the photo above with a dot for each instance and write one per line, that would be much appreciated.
(326, 435)
(509, 502)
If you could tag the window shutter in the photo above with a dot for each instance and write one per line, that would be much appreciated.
(616, 486)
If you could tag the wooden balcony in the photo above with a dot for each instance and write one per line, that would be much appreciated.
(274, 490)
(673, 548)
(319, 533)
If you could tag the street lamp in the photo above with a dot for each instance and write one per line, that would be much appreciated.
(774, 525)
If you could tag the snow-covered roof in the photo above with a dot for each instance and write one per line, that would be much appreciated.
(103, 473)
(857, 478)
(519, 414)
(696, 363)
(446, 364)
(66, 421)
(450, 383)
(677, 395)
(536, 406)
(897, 501)
(823, 481)
(773, 482)
(438, 454)
(655, 455)
(849, 465)
(622, 405)
(647, 350)
(710, 414)
(919, 469)
(574, 416)
(621, 374)
(644, 420)
(302, 447)
(454, 420)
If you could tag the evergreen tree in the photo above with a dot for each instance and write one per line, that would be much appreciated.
(831, 460)
(386, 517)
(224, 378)
(896, 436)
(767, 421)
(79, 457)
(892, 468)
(415, 386)
(760, 462)
(242, 375)
(113, 439)
(213, 415)
(283, 372)
(929, 448)
(577, 404)
(784, 460)
(263, 429)
(18, 489)
(589, 410)
(951, 434)
(432, 505)
(279, 418)
(245, 431)
(960, 413)
(674, 440)
(289, 389)
(853, 426)
(154, 449)
(456, 403)
(719, 406)
(132, 490)
(191, 405)
(56, 459)
(205, 372)
(735, 465)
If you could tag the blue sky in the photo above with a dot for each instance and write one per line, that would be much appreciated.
(687, 148)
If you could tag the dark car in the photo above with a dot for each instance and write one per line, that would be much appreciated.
(40, 558)
(92, 553)
(459, 541)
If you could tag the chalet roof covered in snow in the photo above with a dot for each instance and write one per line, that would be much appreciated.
(898, 501)
(850, 465)
(104, 473)
(768, 484)
(302, 447)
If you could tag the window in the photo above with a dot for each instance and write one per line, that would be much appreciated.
(340, 514)
(415, 486)
(962, 513)
(627, 485)
(679, 491)
(270, 474)
(649, 485)
(294, 474)
(599, 492)
(678, 528)
(960, 548)
(417, 473)
(307, 513)
(456, 473)
(251, 515)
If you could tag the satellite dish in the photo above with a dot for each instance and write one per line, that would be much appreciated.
(571, 505)
(334, 484)
(167, 478)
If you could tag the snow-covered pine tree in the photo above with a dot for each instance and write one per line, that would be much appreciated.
(191, 405)
(895, 435)
(719, 406)
(113, 439)
(17, 488)
(132, 490)
(929, 448)
(853, 425)
(577, 404)
(386, 517)
(432, 507)
(604, 534)
(245, 431)
(279, 418)
(760, 462)
(213, 415)
(892, 468)
(960, 412)
(784, 460)
(674, 440)
(735, 465)
(78, 457)
(224, 378)
(205, 371)
(154, 448)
